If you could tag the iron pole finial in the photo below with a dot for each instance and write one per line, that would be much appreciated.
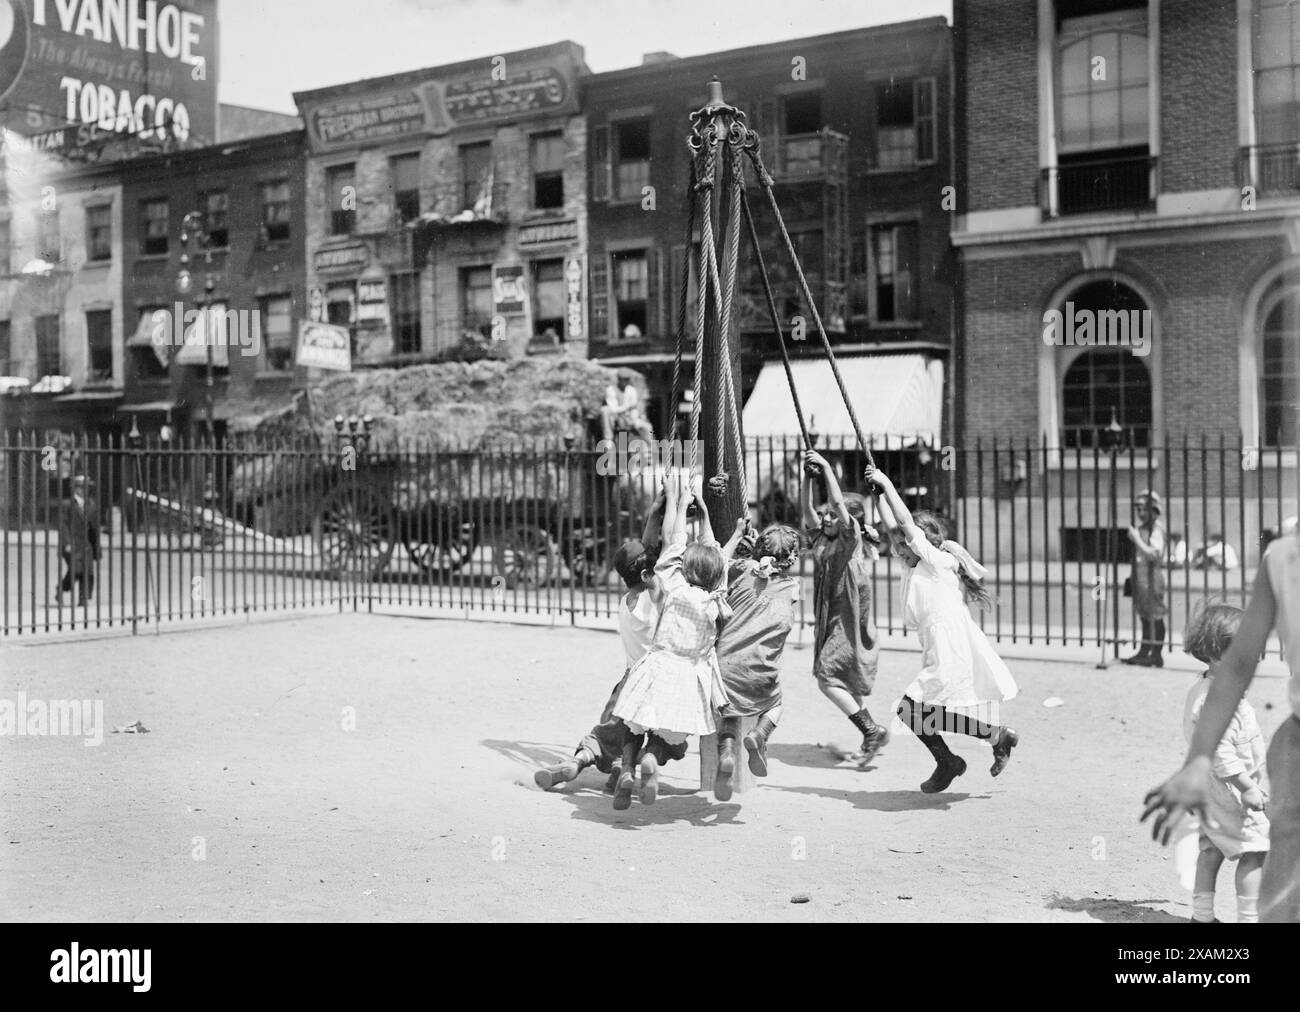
(715, 91)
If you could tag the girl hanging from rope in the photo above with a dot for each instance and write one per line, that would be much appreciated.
(846, 647)
(962, 680)
(762, 593)
(674, 689)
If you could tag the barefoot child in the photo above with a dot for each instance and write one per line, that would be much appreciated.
(846, 647)
(762, 593)
(961, 679)
(674, 690)
(1274, 604)
(638, 613)
(1236, 827)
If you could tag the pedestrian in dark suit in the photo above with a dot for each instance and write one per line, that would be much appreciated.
(79, 540)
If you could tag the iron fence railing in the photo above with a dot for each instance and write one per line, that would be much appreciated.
(192, 531)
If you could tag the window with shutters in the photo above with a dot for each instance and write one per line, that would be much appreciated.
(48, 358)
(154, 227)
(547, 156)
(893, 253)
(216, 208)
(631, 287)
(274, 195)
(548, 297)
(476, 305)
(341, 191)
(99, 232)
(277, 333)
(631, 150)
(599, 297)
(904, 124)
(404, 181)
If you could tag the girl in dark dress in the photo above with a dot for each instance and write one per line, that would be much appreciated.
(847, 647)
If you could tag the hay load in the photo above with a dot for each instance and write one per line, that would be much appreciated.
(457, 405)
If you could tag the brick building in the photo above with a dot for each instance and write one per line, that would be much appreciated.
(249, 199)
(1138, 158)
(856, 134)
(60, 293)
(451, 200)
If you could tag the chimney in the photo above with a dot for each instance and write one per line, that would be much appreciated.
(659, 57)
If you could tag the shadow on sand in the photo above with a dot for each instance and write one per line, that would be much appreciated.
(887, 801)
(1112, 911)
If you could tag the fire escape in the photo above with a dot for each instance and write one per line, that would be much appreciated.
(810, 170)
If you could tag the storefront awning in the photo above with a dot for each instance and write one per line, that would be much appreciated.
(898, 400)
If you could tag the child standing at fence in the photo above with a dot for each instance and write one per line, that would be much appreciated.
(846, 647)
(1148, 579)
(638, 614)
(762, 593)
(1235, 826)
(1274, 604)
(675, 689)
(962, 679)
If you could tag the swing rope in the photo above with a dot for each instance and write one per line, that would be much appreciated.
(683, 297)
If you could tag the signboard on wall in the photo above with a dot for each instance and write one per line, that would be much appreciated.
(343, 258)
(574, 326)
(372, 302)
(105, 79)
(497, 90)
(324, 346)
(509, 290)
(548, 232)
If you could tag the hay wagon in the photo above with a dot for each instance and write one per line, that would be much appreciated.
(533, 510)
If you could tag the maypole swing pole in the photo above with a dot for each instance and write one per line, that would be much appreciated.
(721, 350)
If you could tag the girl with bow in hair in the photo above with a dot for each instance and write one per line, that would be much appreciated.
(962, 679)
(846, 647)
(674, 689)
(762, 592)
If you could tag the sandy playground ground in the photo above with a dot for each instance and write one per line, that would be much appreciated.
(371, 768)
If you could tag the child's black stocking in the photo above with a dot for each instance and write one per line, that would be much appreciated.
(913, 714)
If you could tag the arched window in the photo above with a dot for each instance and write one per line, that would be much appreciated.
(1279, 371)
(1107, 378)
(1103, 80)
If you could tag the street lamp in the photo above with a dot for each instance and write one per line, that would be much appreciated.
(1113, 437)
(192, 226)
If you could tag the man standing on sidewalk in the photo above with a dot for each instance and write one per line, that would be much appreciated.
(79, 541)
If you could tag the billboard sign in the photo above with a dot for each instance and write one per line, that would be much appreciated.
(80, 74)
(324, 346)
(504, 89)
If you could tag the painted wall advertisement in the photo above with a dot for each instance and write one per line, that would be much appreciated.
(504, 89)
(324, 346)
(100, 79)
(573, 322)
(509, 290)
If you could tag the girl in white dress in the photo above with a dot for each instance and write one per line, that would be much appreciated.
(1274, 604)
(962, 679)
(675, 689)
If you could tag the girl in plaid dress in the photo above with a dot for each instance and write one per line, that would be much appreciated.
(675, 688)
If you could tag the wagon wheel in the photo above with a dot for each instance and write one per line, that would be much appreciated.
(448, 554)
(353, 531)
(524, 555)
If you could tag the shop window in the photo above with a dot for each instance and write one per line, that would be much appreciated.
(548, 298)
(405, 295)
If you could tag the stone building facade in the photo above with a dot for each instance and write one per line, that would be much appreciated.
(451, 201)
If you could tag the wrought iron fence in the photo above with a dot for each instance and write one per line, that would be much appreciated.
(168, 533)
